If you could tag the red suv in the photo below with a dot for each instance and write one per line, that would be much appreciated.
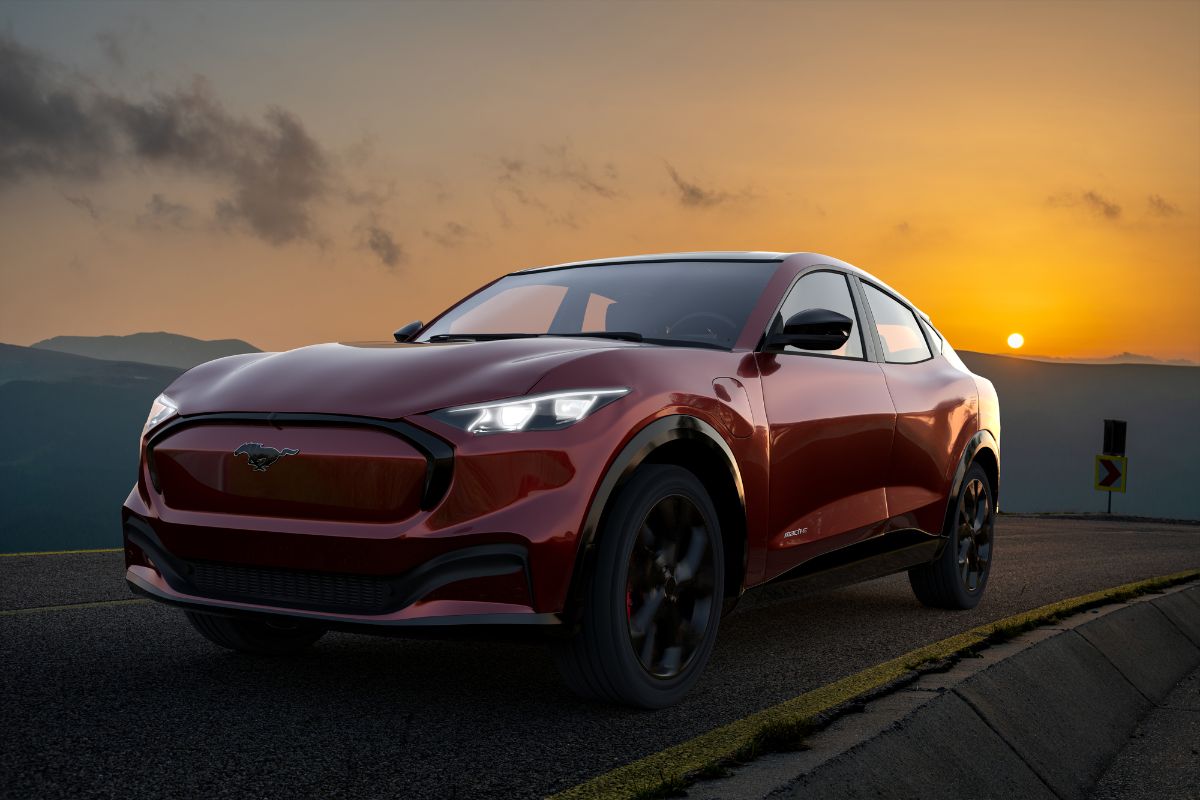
(607, 452)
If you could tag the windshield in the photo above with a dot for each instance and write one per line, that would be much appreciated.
(697, 303)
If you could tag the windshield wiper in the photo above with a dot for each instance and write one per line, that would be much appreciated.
(626, 336)
(480, 337)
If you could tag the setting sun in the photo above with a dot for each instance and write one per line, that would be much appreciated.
(1015, 340)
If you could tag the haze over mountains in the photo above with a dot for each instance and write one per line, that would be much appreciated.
(1119, 358)
(70, 426)
(166, 349)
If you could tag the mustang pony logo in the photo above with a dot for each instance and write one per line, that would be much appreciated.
(259, 457)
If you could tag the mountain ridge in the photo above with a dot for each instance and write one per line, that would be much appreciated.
(151, 347)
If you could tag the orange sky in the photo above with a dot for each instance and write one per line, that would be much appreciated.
(1030, 167)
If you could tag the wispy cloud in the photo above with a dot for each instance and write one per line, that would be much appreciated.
(162, 213)
(564, 165)
(553, 181)
(452, 234)
(113, 48)
(83, 203)
(1090, 200)
(381, 242)
(693, 195)
(1161, 207)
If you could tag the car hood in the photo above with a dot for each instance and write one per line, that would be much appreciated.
(375, 379)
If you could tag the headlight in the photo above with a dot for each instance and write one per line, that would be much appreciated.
(161, 410)
(539, 412)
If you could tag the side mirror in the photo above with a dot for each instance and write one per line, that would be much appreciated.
(814, 329)
(408, 330)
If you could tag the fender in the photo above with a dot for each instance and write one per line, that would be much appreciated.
(983, 440)
(629, 458)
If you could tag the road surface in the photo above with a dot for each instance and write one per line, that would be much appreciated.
(126, 701)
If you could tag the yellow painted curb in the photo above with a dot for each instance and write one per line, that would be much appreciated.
(673, 768)
(62, 552)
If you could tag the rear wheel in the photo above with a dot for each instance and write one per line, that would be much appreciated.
(957, 578)
(653, 600)
(270, 637)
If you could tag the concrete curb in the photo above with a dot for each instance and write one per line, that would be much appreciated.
(1038, 716)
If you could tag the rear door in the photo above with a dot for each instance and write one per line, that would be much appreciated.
(830, 420)
(936, 408)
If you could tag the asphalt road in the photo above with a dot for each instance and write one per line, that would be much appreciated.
(127, 701)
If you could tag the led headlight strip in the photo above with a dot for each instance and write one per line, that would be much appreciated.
(161, 409)
(538, 412)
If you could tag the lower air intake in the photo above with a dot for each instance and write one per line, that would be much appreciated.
(315, 591)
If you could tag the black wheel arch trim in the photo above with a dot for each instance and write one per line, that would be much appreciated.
(438, 453)
(982, 440)
(635, 452)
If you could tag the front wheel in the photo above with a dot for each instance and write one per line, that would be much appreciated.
(653, 600)
(957, 578)
(267, 637)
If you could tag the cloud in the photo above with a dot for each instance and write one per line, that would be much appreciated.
(113, 48)
(1091, 200)
(161, 213)
(565, 166)
(451, 235)
(693, 195)
(383, 245)
(54, 122)
(1101, 205)
(1160, 207)
(84, 203)
(555, 169)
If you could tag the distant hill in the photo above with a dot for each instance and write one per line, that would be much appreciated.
(1052, 427)
(165, 349)
(1119, 358)
(30, 364)
(70, 428)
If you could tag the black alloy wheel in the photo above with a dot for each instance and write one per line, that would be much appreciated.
(958, 576)
(653, 597)
(975, 528)
(670, 585)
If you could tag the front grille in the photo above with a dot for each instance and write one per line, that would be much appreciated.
(316, 591)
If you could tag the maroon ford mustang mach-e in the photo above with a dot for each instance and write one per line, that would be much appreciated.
(608, 453)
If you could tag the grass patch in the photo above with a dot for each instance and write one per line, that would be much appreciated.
(783, 727)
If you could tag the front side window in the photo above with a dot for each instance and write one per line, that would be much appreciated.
(827, 290)
(688, 303)
(903, 342)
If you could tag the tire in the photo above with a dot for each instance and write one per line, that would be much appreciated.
(271, 637)
(957, 577)
(653, 599)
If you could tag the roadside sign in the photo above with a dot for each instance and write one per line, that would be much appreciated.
(1112, 473)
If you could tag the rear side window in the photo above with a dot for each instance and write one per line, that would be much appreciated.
(933, 335)
(903, 342)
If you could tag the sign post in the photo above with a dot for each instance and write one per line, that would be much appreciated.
(1112, 467)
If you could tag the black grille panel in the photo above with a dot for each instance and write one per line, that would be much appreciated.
(316, 591)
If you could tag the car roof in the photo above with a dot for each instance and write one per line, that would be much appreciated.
(814, 259)
(709, 255)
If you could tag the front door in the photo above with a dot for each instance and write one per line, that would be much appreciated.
(831, 424)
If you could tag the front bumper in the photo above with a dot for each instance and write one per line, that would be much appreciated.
(331, 598)
(497, 547)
